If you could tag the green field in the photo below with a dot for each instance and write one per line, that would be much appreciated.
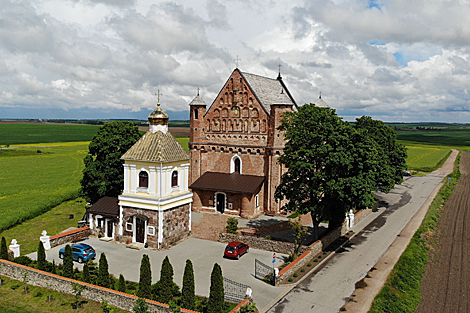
(425, 158)
(32, 184)
(14, 134)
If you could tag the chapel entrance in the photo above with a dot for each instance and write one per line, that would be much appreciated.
(109, 228)
(220, 197)
(139, 230)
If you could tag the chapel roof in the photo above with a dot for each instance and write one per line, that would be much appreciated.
(197, 101)
(237, 183)
(156, 147)
(106, 206)
(269, 91)
(321, 103)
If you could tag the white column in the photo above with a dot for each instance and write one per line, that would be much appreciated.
(190, 218)
(90, 220)
(159, 182)
(134, 227)
(152, 181)
(120, 221)
(168, 181)
(133, 178)
(186, 177)
(160, 226)
(15, 247)
(46, 240)
(145, 232)
(126, 178)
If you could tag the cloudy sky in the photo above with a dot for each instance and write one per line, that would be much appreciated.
(394, 60)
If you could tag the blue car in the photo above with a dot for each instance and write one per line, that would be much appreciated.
(81, 252)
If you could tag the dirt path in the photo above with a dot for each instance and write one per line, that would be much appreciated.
(445, 286)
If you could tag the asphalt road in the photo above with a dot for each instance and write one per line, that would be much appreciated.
(327, 290)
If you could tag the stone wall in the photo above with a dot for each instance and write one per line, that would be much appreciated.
(152, 220)
(70, 236)
(261, 243)
(175, 225)
(61, 284)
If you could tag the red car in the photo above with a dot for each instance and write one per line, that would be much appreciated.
(235, 249)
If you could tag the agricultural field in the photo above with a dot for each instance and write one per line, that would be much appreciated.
(425, 158)
(14, 134)
(33, 183)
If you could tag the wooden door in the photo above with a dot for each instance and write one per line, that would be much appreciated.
(139, 230)
(220, 202)
(109, 232)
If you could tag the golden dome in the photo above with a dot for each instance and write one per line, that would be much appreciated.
(158, 117)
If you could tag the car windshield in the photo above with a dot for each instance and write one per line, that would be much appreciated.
(90, 249)
(229, 248)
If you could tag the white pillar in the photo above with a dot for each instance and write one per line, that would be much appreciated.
(134, 227)
(133, 178)
(160, 226)
(46, 240)
(190, 217)
(90, 220)
(168, 181)
(15, 247)
(152, 180)
(126, 178)
(159, 181)
(120, 221)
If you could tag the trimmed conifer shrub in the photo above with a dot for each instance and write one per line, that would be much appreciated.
(232, 225)
(216, 295)
(103, 272)
(188, 293)
(41, 257)
(86, 273)
(145, 281)
(122, 284)
(68, 262)
(3, 249)
(166, 281)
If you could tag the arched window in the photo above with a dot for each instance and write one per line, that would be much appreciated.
(174, 179)
(236, 165)
(143, 179)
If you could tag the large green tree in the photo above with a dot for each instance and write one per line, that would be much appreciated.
(145, 281)
(188, 297)
(216, 292)
(333, 166)
(103, 174)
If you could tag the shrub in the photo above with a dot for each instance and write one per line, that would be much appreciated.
(248, 308)
(232, 225)
(296, 275)
(23, 260)
(267, 237)
(103, 272)
(122, 284)
(68, 262)
(309, 264)
(166, 281)
(3, 249)
(188, 292)
(86, 274)
(315, 260)
(302, 270)
(38, 294)
(41, 257)
(145, 281)
(216, 294)
(140, 306)
(290, 279)
(320, 256)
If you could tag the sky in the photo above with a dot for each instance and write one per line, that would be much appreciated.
(393, 60)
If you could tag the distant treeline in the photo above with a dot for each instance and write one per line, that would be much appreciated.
(93, 122)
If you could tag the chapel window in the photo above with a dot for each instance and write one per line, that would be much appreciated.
(174, 179)
(237, 165)
(196, 114)
(143, 179)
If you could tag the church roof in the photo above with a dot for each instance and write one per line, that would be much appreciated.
(320, 103)
(156, 147)
(197, 101)
(237, 183)
(106, 206)
(269, 91)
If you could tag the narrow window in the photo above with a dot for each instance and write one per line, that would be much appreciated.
(143, 179)
(237, 165)
(257, 201)
(196, 115)
(174, 179)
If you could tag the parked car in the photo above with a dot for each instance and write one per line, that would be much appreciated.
(406, 173)
(236, 249)
(81, 252)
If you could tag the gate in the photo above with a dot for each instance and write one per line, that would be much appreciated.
(234, 292)
(264, 272)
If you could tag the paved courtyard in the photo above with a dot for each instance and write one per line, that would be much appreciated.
(202, 253)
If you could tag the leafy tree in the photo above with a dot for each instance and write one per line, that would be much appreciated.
(332, 166)
(216, 294)
(145, 281)
(188, 291)
(41, 257)
(3, 249)
(299, 233)
(140, 306)
(166, 281)
(103, 174)
(86, 277)
(68, 262)
(122, 284)
(103, 272)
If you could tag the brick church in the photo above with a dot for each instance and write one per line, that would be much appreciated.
(234, 146)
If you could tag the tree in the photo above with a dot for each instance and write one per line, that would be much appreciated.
(216, 294)
(166, 281)
(232, 225)
(145, 281)
(86, 273)
(77, 290)
(3, 249)
(299, 233)
(103, 174)
(332, 166)
(188, 292)
(41, 257)
(68, 262)
(103, 273)
(122, 284)
(140, 306)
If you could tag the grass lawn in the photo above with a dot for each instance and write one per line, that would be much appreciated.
(33, 183)
(14, 134)
(14, 301)
(425, 158)
(54, 221)
(184, 141)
